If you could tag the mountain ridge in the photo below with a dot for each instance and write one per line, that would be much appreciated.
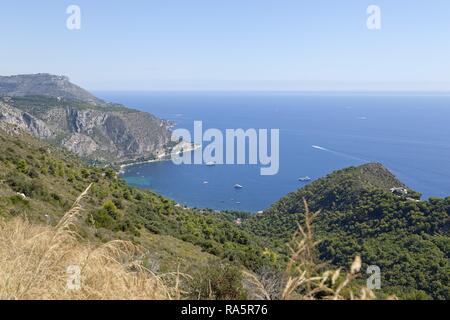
(45, 84)
(351, 180)
(52, 108)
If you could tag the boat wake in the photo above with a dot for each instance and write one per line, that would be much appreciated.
(321, 148)
(346, 155)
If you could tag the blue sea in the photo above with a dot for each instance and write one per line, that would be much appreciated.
(408, 133)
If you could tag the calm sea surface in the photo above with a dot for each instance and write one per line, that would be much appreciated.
(408, 133)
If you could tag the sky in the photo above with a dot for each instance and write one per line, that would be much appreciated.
(304, 45)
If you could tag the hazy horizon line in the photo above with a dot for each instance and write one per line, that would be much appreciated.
(355, 91)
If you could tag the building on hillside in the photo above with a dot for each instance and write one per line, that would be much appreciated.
(399, 191)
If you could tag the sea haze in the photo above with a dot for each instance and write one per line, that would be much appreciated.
(408, 133)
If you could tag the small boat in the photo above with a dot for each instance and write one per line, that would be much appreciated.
(238, 186)
(305, 179)
(211, 164)
(205, 182)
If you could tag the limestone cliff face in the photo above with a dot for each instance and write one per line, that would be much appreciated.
(126, 135)
(14, 118)
(97, 131)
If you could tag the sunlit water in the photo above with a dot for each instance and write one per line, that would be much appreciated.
(409, 134)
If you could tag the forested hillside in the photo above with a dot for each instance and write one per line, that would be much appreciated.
(41, 182)
(359, 215)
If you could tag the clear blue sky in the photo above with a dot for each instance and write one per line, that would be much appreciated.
(231, 44)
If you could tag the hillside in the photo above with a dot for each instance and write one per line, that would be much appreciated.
(340, 189)
(40, 182)
(52, 108)
(359, 215)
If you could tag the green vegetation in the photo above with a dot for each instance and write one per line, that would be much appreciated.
(217, 281)
(408, 239)
(38, 105)
(359, 216)
(40, 181)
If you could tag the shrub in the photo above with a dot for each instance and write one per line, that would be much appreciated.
(217, 281)
(106, 217)
(22, 166)
(19, 200)
(101, 219)
(111, 209)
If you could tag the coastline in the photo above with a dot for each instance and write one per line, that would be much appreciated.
(164, 156)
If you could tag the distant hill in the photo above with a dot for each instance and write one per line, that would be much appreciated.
(52, 108)
(407, 238)
(44, 84)
(340, 189)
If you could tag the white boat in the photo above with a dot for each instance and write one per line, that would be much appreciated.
(305, 179)
(238, 186)
(211, 164)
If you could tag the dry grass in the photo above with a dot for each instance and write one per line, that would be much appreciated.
(304, 277)
(35, 261)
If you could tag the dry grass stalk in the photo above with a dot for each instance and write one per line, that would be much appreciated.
(34, 261)
(304, 277)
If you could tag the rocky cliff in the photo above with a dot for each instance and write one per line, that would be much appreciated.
(58, 111)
